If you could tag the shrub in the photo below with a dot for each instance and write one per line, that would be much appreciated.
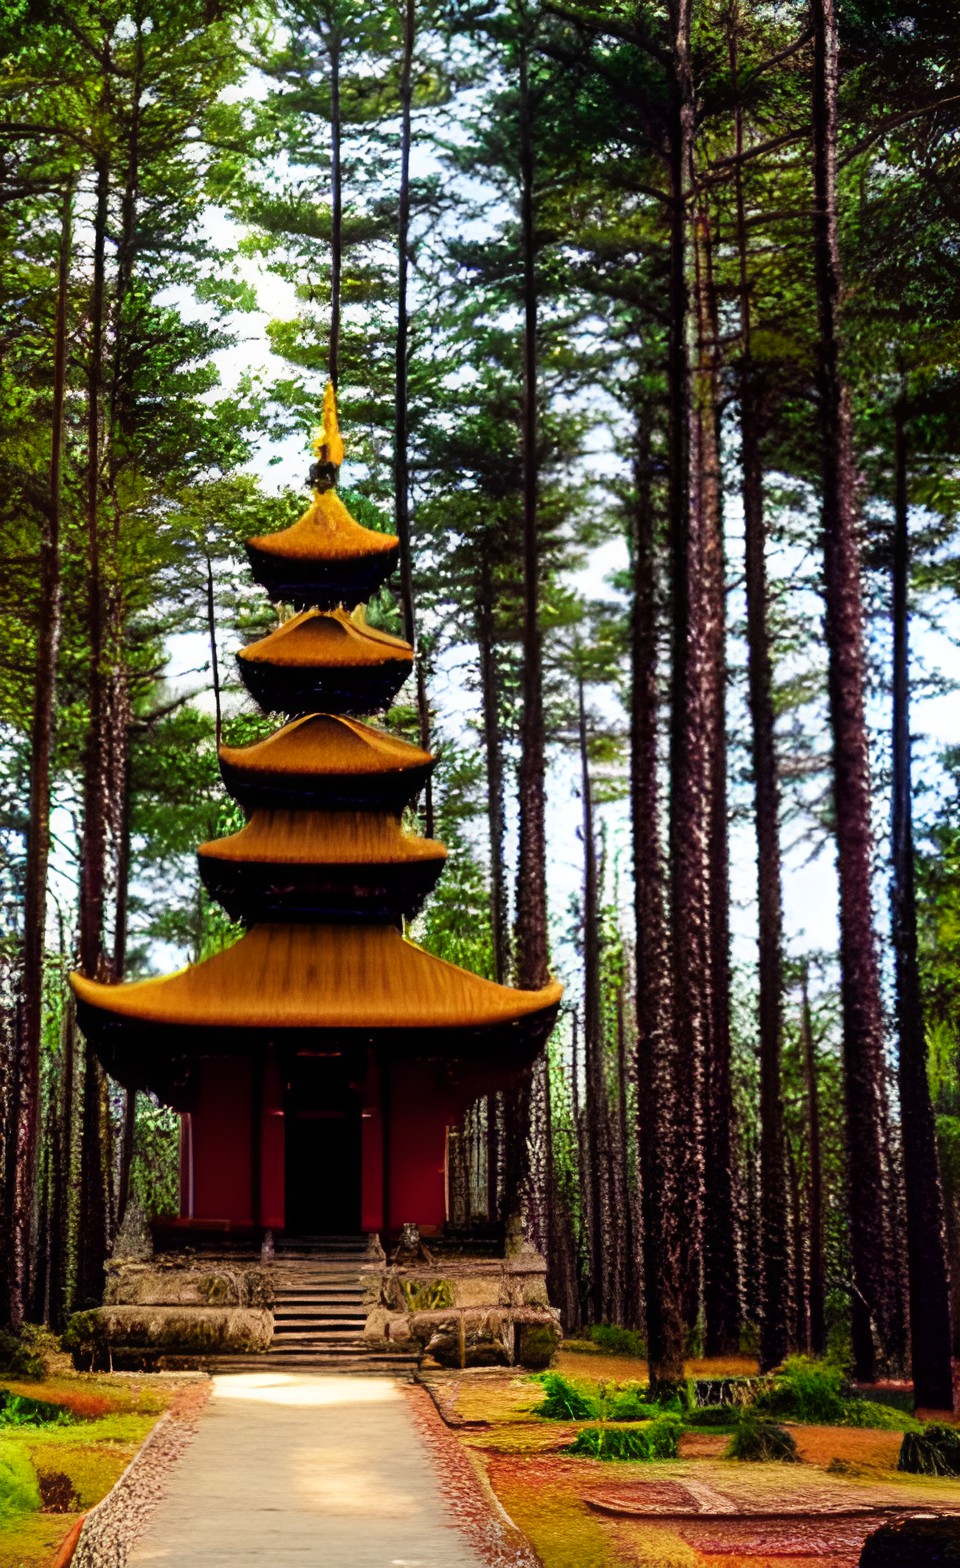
(57, 1494)
(630, 1404)
(869, 1412)
(28, 1353)
(19, 1492)
(565, 1401)
(20, 1410)
(935, 1450)
(658, 1440)
(757, 1440)
(619, 1341)
(807, 1390)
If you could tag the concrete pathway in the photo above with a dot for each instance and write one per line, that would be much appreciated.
(285, 1470)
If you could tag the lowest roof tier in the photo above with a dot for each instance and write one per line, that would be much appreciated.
(329, 976)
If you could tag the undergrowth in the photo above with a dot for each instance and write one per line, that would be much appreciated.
(934, 1450)
(618, 1341)
(757, 1440)
(20, 1410)
(19, 1492)
(658, 1440)
(818, 1394)
(568, 1401)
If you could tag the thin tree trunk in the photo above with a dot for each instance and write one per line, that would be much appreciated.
(631, 1302)
(402, 416)
(38, 837)
(93, 1192)
(688, 760)
(532, 949)
(816, 1291)
(868, 1198)
(800, 1335)
(721, 1268)
(336, 211)
(658, 1109)
(214, 660)
(493, 750)
(596, 1120)
(766, 788)
(929, 1295)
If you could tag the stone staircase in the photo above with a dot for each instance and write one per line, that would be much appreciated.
(319, 1312)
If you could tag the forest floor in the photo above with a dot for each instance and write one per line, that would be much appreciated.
(52, 1474)
(700, 1510)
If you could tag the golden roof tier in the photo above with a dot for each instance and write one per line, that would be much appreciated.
(326, 660)
(324, 559)
(326, 760)
(339, 979)
(321, 865)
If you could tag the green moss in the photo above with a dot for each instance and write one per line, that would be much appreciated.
(538, 1344)
(430, 1295)
(92, 1468)
(713, 1416)
(19, 1492)
(30, 1540)
(28, 1353)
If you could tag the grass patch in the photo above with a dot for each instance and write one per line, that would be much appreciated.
(712, 1416)
(758, 1440)
(657, 1439)
(19, 1490)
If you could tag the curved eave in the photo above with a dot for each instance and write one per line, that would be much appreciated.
(325, 640)
(358, 979)
(325, 760)
(326, 533)
(314, 838)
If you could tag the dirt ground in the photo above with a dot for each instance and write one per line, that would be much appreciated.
(698, 1511)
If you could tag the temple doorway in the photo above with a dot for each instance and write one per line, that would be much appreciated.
(322, 1158)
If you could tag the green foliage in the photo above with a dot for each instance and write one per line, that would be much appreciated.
(713, 1416)
(805, 1389)
(934, 1450)
(618, 1341)
(29, 1352)
(628, 1403)
(19, 1410)
(19, 1492)
(565, 1401)
(659, 1439)
(757, 1440)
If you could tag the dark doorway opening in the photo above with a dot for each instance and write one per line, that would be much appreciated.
(322, 1137)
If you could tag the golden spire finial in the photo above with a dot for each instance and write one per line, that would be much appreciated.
(327, 443)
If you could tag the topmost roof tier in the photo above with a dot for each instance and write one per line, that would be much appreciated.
(325, 558)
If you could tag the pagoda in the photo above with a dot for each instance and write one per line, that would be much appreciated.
(318, 1063)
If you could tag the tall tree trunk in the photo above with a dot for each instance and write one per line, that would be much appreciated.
(214, 660)
(929, 1295)
(868, 1198)
(658, 1106)
(336, 210)
(688, 829)
(816, 1293)
(38, 836)
(532, 941)
(402, 415)
(94, 1208)
(596, 1119)
(800, 1333)
(631, 1295)
(766, 794)
(721, 1268)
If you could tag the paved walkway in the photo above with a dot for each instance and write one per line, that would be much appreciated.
(285, 1470)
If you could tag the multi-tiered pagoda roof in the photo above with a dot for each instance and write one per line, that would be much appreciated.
(326, 871)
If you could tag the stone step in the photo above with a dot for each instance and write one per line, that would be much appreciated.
(287, 1310)
(351, 1333)
(383, 1366)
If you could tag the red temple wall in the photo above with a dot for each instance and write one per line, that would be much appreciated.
(420, 1109)
(221, 1141)
(272, 1149)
